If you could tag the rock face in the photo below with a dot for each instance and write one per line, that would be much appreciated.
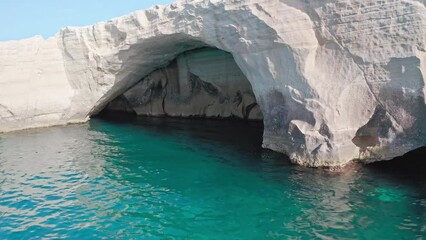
(335, 80)
(199, 83)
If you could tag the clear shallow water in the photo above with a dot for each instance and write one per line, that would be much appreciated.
(186, 179)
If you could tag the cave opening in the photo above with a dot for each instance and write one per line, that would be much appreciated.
(200, 83)
(191, 93)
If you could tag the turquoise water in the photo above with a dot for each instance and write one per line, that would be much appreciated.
(188, 179)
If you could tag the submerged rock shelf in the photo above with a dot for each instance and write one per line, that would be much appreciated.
(334, 81)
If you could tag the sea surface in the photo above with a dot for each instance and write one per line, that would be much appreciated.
(159, 178)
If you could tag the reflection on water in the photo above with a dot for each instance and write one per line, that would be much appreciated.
(159, 178)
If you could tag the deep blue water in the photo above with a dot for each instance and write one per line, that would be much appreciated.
(193, 179)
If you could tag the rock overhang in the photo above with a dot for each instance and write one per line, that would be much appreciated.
(335, 80)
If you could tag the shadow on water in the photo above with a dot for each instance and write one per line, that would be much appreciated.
(409, 169)
(236, 134)
(245, 137)
(232, 141)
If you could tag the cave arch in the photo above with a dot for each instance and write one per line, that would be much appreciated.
(112, 70)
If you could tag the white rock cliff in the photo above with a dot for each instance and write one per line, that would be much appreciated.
(335, 80)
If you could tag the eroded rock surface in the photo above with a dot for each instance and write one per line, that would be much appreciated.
(335, 80)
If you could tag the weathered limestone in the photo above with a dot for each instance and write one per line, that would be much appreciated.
(34, 88)
(335, 80)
